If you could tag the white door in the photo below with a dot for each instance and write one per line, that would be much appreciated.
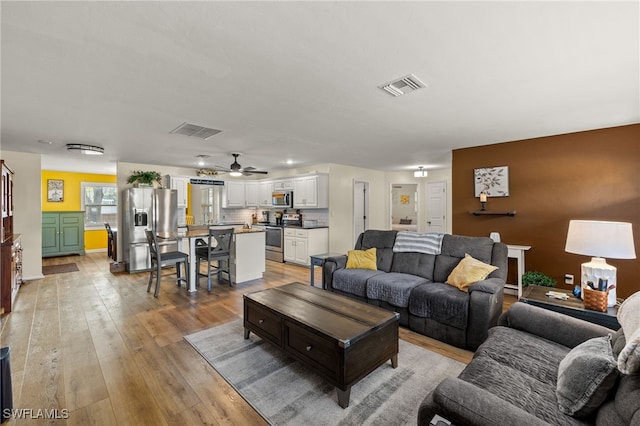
(360, 209)
(436, 207)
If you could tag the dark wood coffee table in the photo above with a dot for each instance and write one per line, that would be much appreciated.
(341, 339)
(536, 295)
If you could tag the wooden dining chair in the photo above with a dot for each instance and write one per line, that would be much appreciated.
(217, 254)
(111, 243)
(160, 260)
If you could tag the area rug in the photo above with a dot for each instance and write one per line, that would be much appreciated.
(285, 392)
(59, 269)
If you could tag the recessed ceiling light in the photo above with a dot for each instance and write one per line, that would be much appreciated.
(201, 158)
(289, 161)
(85, 149)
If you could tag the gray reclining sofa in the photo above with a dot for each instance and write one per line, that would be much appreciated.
(413, 284)
(514, 377)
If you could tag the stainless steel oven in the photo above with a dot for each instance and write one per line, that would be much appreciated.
(275, 243)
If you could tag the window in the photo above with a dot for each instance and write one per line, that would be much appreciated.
(100, 204)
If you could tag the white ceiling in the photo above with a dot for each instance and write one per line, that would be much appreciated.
(298, 80)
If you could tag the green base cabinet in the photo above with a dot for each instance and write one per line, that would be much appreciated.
(62, 233)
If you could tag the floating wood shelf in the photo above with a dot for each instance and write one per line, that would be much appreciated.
(487, 212)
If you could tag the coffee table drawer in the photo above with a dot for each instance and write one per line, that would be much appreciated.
(314, 349)
(268, 324)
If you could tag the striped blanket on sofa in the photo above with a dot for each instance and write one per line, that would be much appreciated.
(415, 242)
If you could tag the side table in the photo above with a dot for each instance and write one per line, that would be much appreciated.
(536, 295)
(318, 260)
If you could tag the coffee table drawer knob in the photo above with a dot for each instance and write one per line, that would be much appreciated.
(308, 348)
(260, 321)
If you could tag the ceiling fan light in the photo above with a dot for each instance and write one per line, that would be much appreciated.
(235, 173)
(85, 149)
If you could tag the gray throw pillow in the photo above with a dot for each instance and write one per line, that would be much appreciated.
(585, 377)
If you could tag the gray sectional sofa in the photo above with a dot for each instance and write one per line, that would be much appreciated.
(413, 284)
(515, 375)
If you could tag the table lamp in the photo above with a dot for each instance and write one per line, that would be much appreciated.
(600, 239)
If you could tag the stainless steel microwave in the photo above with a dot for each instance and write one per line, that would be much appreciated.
(282, 199)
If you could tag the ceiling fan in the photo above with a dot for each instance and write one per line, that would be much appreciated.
(235, 169)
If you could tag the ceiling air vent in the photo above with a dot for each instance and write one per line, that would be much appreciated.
(195, 131)
(403, 85)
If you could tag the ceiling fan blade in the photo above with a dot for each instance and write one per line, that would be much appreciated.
(220, 168)
(256, 172)
(249, 168)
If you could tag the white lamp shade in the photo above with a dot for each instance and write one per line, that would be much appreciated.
(612, 240)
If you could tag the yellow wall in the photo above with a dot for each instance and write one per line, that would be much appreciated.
(93, 239)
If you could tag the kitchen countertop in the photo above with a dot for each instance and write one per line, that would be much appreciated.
(291, 226)
(246, 231)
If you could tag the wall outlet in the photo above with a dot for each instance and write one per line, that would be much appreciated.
(568, 279)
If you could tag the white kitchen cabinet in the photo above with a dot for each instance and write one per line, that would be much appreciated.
(251, 194)
(233, 194)
(300, 244)
(283, 185)
(311, 191)
(179, 183)
(265, 190)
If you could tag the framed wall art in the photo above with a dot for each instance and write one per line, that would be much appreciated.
(55, 190)
(493, 181)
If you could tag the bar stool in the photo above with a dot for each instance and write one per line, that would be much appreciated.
(218, 250)
(160, 260)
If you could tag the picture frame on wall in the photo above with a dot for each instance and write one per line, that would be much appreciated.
(492, 181)
(55, 190)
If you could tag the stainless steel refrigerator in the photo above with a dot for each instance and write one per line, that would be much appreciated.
(147, 208)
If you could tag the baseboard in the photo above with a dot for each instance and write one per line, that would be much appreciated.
(100, 250)
(32, 278)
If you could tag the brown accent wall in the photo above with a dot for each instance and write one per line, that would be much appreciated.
(593, 175)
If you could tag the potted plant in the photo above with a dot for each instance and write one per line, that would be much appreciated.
(147, 178)
(537, 278)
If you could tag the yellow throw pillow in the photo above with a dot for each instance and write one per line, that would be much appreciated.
(468, 271)
(362, 259)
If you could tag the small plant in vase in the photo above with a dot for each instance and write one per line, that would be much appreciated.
(537, 278)
(145, 178)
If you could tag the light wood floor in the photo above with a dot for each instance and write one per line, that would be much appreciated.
(99, 346)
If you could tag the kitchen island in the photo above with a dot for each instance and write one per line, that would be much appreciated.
(247, 255)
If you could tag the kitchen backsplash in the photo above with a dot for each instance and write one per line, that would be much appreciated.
(244, 215)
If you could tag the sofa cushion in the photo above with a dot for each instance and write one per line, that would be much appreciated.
(383, 242)
(414, 263)
(537, 358)
(469, 271)
(629, 319)
(393, 288)
(362, 259)
(353, 281)
(440, 302)
(457, 246)
(518, 388)
(585, 377)
(454, 247)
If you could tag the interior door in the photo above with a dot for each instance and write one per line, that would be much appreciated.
(436, 207)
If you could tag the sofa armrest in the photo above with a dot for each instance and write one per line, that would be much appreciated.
(332, 264)
(490, 285)
(464, 403)
(485, 306)
(554, 326)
